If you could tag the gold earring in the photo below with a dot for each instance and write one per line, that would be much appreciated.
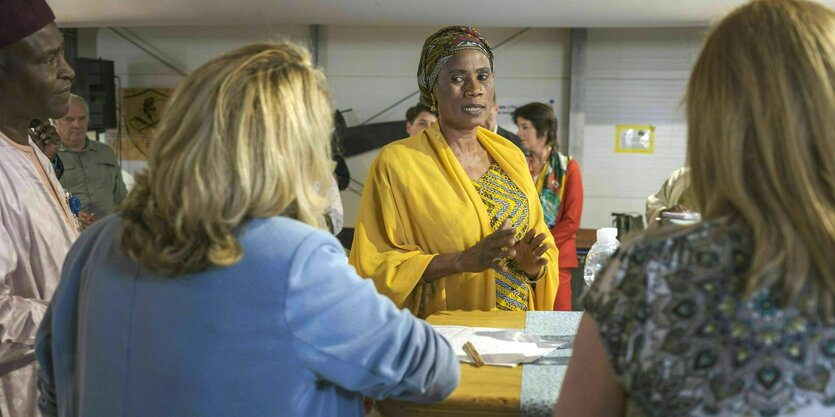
(434, 108)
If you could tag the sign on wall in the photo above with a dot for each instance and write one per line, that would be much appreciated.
(142, 113)
(635, 139)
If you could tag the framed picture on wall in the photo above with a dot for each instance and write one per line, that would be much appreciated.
(141, 114)
(635, 139)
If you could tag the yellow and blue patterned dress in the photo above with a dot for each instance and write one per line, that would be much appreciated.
(505, 201)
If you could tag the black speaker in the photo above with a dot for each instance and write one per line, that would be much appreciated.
(95, 82)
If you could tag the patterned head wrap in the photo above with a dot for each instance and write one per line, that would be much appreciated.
(439, 48)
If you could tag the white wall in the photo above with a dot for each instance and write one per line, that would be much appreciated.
(634, 76)
(369, 69)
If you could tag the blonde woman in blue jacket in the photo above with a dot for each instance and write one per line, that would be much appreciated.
(215, 290)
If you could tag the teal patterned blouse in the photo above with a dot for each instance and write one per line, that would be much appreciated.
(684, 342)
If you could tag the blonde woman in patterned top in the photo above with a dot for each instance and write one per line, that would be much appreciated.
(450, 218)
(732, 316)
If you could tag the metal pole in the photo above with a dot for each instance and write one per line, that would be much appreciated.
(314, 43)
(577, 94)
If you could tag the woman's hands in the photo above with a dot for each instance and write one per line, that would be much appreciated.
(490, 251)
(529, 251)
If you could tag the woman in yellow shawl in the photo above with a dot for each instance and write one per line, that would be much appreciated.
(449, 218)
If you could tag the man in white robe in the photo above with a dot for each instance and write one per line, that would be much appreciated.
(36, 226)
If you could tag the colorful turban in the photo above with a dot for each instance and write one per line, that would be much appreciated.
(439, 48)
(21, 18)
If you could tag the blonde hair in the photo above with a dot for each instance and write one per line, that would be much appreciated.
(761, 141)
(246, 135)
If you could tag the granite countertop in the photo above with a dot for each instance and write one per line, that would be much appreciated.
(541, 380)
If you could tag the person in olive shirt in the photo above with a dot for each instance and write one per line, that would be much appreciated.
(91, 171)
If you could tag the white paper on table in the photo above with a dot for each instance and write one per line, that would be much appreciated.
(499, 347)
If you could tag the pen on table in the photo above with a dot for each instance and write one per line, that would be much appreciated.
(470, 349)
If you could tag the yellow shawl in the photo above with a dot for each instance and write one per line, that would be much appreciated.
(418, 202)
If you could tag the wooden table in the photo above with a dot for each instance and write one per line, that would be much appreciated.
(486, 391)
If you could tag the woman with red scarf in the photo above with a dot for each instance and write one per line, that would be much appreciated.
(559, 184)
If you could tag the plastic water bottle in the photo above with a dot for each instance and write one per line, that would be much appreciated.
(606, 245)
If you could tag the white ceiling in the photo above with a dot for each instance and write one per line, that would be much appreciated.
(494, 13)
